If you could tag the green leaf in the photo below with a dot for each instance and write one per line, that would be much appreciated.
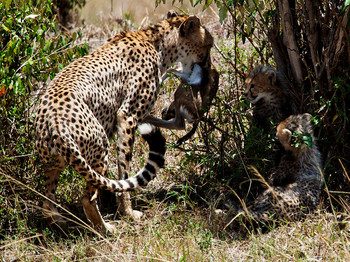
(48, 8)
(8, 3)
(197, 2)
(207, 4)
(5, 28)
(347, 2)
(63, 40)
(308, 140)
(222, 13)
(44, 59)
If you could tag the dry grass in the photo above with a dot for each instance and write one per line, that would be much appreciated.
(140, 11)
(173, 231)
(175, 227)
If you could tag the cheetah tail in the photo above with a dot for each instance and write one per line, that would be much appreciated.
(156, 143)
(68, 148)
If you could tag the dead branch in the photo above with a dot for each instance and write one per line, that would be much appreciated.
(312, 33)
(289, 41)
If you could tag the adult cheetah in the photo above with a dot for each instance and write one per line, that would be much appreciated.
(107, 92)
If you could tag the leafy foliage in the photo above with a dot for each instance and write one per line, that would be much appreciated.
(300, 139)
(32, 51)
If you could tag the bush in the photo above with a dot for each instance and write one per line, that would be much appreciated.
(32, 51)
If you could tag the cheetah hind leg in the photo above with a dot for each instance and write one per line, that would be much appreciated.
(91, 210)
(50, 211)
(124, 206)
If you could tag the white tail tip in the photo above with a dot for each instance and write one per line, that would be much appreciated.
(146, 128)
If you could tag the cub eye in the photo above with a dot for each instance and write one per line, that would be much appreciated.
(251, 86)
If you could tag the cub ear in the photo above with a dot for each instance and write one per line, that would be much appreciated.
(284, 135)
(307, 117)
(191, 25)
(306, 122)
(272, 76)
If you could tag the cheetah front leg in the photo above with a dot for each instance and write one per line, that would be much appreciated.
(125, 132)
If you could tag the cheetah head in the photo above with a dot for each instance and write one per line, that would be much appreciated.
(295, 124)
(262, 83)
(196, 41)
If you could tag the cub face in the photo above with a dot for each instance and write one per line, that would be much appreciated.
(262, 86)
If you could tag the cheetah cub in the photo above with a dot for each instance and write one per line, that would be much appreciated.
(295, 184)
(270, 95)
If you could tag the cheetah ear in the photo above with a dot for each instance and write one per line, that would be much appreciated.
(272, 76)
(191, 25)
(307, 117)
(171, 14)
(285, 136)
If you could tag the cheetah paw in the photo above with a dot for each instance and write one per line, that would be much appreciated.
(110, 228)
(136, 215)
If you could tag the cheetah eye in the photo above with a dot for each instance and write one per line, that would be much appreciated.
(251, 86)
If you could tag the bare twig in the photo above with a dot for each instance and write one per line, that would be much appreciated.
(289, 41)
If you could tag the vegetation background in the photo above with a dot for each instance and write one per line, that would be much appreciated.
(307, 40)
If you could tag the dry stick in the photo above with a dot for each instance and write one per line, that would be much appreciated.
(244, 208)
(312, 34)
(345, 172)
(229, 61)
(262, 25)
(290, 41)
(340, 202)
(345, 204)
(19, 241)
(261, 17)
(245, 34)
(235, 144)
(78, 222)
(329, 196)
(339, 192)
